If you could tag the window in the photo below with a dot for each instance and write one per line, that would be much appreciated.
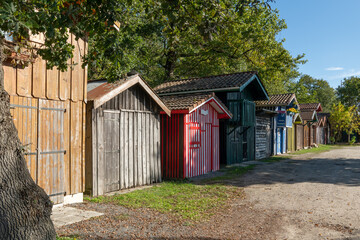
(195, 135)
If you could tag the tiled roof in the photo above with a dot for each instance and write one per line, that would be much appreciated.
(234, 80)
(307, 116)
(310, 107)
(277, 100)
(191, 101)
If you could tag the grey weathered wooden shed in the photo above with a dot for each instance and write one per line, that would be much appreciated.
(122, 135)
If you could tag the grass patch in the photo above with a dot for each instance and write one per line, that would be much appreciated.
(273, 159)
(187, 200)
(320, 149)
(65, 238)
(230, 173)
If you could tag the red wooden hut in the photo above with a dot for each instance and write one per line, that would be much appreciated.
(190, 137)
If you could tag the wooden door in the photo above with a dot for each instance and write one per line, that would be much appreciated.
(112, 150)
(40, 125)
(234, 144)
(131, 148)
(299, 137)
(51, 165)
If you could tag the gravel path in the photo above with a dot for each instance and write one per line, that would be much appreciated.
(311, 196)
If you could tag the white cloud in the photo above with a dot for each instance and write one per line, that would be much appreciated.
(334, 68)
(350, 73)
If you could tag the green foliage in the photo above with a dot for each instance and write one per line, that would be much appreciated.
(311, 90)
(349, 91)
(344, 119)
(188, 38)
(353, 140)
(184, 199)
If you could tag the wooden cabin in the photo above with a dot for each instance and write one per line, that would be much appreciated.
(285, 105)
(310, 117)
(323, 133)
(48, 109)
(190, 137)
(237, 91)
(122, 135)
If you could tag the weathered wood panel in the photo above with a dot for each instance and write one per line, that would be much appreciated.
(35, 80)
(53, 171)
(126, 143)
(52, 83)
(299, 136)
(10, 79)
(290, 138)
(23, 85)
(39, 78)
(263, 137)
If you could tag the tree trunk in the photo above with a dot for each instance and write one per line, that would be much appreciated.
(25, 208)
(170, 65)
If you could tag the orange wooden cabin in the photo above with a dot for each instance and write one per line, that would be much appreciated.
(48, 109)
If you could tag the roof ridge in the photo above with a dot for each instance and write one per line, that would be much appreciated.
(211, 76)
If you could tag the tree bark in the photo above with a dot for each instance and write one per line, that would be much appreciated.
(25, 208)
(170, 65)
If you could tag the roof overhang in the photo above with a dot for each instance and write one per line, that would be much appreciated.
(100, 100)
(297, 119)
(260, 86)
(218, 106)
(266, 112)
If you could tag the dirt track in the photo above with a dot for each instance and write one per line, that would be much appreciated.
(318, 194)
(313, 196)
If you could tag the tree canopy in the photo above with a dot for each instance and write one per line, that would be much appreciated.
(187, 38)
(311, 90)
(349, 91)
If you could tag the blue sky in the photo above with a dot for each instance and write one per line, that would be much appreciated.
(328, 32)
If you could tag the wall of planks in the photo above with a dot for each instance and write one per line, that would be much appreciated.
(48, 109)
(123, 142)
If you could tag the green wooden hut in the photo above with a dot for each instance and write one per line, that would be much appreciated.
(238, 91)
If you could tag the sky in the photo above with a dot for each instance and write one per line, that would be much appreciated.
(328, 32)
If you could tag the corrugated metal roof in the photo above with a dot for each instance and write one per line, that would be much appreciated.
(94, 84)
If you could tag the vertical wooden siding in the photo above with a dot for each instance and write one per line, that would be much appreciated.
(124, 142)
(263, 137)
(126, 147)
(290, 138)
(172, 144)
(65, 130)
(38, 82)
(199, 155)
(299, 136)
(35, 86)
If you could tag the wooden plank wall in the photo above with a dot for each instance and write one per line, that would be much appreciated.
(73, 128)
(299, 136)
(263, 137)
(172, 146)
(131, 156)
(28, 85)
(38, 82)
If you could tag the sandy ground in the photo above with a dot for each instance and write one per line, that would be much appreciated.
(318, 194)
(312, 196)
